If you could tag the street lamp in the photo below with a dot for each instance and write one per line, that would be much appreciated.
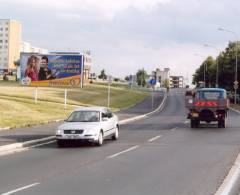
(236, 67)
(206, 45)
(204, 72)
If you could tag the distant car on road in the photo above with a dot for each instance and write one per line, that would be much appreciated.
(91, 124)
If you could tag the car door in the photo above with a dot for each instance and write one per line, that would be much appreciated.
(111, 122)
(106, 124)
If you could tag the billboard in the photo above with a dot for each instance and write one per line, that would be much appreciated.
(51, 69)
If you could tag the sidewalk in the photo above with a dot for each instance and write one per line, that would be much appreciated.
(42, 131)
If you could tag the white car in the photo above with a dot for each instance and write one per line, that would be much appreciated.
(91, 124)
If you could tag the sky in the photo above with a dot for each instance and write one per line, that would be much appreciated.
(128, 35)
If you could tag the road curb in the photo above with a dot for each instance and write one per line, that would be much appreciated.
(17, 146)
(235, 110)
(159, 108)
(5, 128)
(230, 180)
(10, 148)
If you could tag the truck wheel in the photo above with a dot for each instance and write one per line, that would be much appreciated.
(195, 123)
(222, 123)
(192, 123)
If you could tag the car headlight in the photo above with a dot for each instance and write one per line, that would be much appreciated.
(59, 132)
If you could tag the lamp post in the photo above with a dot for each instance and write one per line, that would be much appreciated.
(207, 45)
(204, 69)
(236, 66)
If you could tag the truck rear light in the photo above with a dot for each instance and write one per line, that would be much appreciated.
(206, 103)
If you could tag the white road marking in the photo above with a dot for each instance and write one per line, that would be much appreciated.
(18, 150)
(186, 122)
(42, 144)
(173, 129)
(154, 138)
(119, 153)
(231, 179)
(21, 189)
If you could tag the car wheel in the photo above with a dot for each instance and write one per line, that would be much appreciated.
(100, 139)
(60, 143)
(116, 133)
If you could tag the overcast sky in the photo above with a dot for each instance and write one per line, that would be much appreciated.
(127, 35)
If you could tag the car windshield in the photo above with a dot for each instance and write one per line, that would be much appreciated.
(84, 116)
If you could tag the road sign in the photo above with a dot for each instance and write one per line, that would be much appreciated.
(110, 79)
(235, 86)
(153, 82)
(235, 82)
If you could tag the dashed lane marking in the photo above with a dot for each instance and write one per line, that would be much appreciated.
(122, 152)
(154, 138)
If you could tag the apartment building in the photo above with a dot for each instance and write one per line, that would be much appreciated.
(161, 76)
(176, 81)
(10, 40)
(28, 48)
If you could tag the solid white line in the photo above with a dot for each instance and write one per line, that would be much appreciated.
(17, 150)
(235, 110)
(119, 153)
(231, 179)
(20, 189)
(154, 138)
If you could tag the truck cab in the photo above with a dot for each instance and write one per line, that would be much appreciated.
(207, 104)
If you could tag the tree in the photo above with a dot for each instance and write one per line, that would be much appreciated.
(210, 72)
(102, 75)
(141, 77)
(17, 63)
(226, 68)
(127, 78)
(166, 83)
(116, 79)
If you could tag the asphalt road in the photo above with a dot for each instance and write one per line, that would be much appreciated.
(157, 155)
(42, 131)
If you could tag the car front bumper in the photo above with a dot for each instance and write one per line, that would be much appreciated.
(77, 137)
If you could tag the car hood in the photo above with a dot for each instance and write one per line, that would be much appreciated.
(79, 125)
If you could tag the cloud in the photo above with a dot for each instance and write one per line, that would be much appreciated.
(107, 8)
(129, 34)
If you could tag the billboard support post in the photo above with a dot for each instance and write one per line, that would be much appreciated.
(36, 95)
(109, 90)
(82, 70)
(152, 98)
(65, 99)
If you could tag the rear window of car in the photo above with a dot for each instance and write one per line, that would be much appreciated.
(211, 95)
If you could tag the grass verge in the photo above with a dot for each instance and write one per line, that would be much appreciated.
(18, 108)
(236, 106)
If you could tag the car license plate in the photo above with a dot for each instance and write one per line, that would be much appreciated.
(72, 136)
(195, 115)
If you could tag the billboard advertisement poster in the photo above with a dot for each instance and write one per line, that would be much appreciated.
(51, 69)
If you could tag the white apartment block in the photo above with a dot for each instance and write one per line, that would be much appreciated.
(10, 39)
(176, 81)
(161, 75)
(28, 48)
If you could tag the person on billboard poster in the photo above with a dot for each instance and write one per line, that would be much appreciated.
(32, 70)
(45, 73)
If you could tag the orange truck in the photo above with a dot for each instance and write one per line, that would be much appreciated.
(208, 105)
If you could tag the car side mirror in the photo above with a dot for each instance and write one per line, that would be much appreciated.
(105, 119)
